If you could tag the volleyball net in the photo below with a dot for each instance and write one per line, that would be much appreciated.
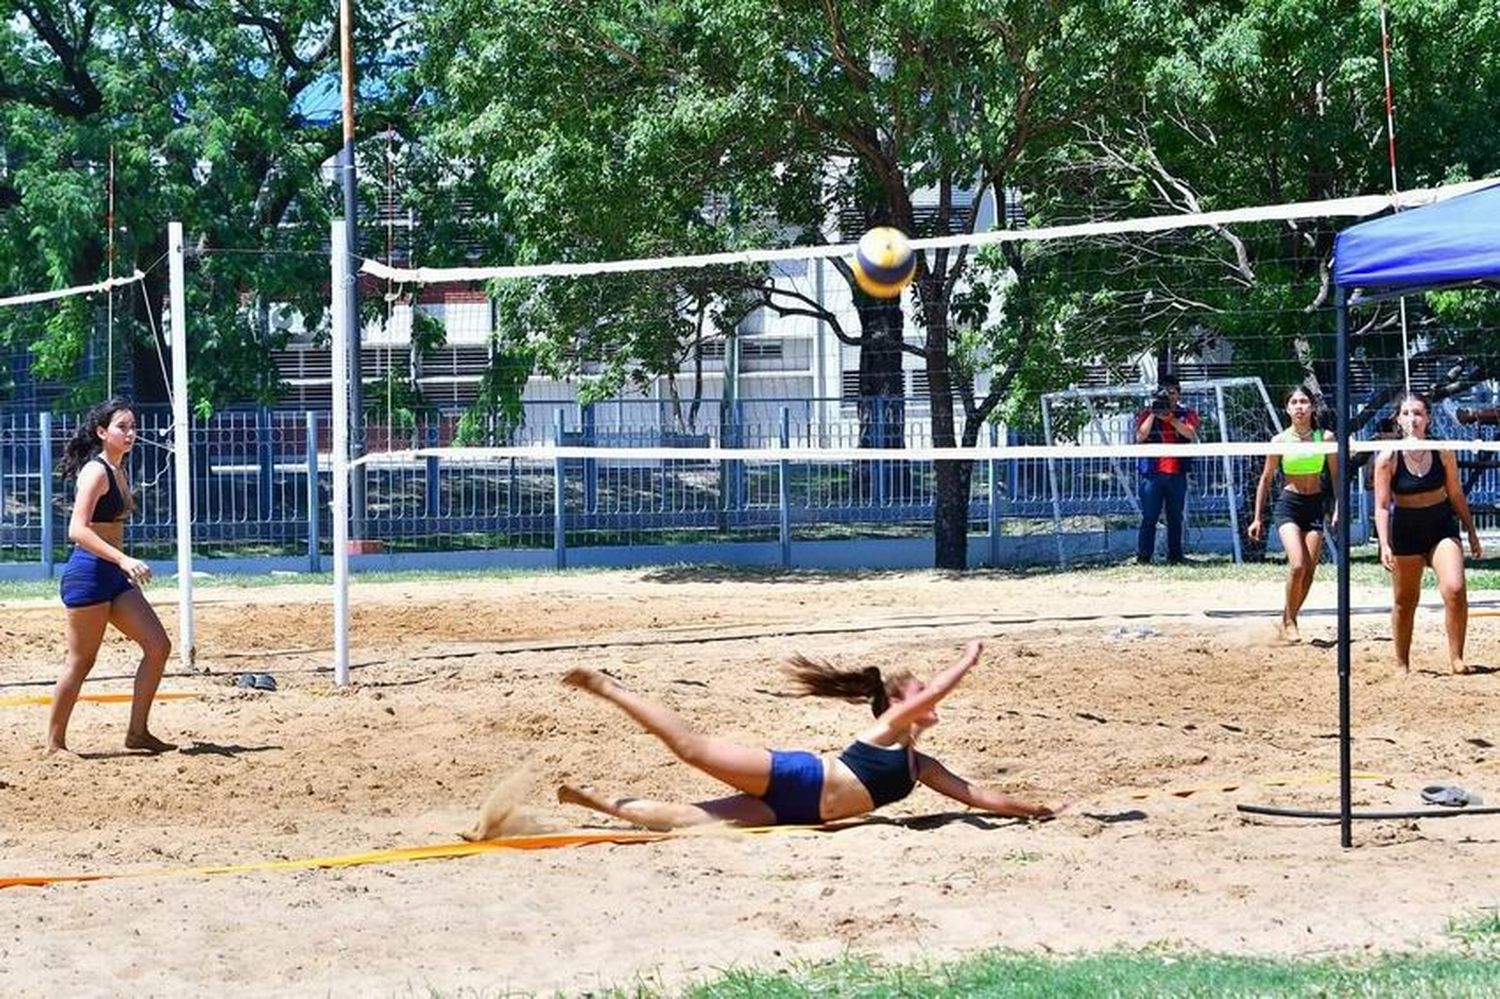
(742, 396)
(81, 339)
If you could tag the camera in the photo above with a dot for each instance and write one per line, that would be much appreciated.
(1161, 402)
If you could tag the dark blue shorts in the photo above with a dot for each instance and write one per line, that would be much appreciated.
(796, 789)
(88, 579)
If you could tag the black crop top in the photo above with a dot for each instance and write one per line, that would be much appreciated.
(111, 506)
(1405, 482)
(885, 772)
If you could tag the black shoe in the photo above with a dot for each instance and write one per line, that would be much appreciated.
(1180, 560)
(1142, 560)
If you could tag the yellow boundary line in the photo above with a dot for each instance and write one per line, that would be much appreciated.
(437, 851)
(30, 699)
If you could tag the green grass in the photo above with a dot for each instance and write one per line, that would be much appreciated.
(1120, 974)
(1477, 929)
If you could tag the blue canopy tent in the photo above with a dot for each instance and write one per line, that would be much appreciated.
(1448, 244)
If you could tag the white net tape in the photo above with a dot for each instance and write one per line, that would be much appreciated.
(1356, 207)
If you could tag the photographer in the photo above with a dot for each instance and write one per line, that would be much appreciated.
(1163, 484)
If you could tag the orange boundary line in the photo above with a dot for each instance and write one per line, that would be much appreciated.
(122, 698)
(437, 851)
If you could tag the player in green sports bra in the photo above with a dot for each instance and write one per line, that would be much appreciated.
(1298, 510)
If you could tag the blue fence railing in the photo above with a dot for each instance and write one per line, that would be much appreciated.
(261, 483)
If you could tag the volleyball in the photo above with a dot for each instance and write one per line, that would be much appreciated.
(884, 262)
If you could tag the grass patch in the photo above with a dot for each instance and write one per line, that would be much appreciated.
(1115, 974)
(1477, 929)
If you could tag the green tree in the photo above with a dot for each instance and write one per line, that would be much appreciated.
(202, 102)
(1265, 102)
(612, 129)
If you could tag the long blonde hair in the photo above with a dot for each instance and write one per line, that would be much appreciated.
(815, 678)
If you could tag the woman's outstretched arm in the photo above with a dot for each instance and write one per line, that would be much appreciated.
(946, 782)
(901, 714)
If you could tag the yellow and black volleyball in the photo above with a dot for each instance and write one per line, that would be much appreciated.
(884, 262)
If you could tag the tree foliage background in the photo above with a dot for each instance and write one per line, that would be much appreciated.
(596, 129)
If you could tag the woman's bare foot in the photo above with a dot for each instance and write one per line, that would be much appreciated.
(1289, 632)
(1405, 667)
(1459, 667)
(59, 751)
(567, 794)
(591, 680)
(148, 743)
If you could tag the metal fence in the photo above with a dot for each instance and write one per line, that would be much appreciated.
(261, 484)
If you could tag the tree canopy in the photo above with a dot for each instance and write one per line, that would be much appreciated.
(606, 129)
(201, 103)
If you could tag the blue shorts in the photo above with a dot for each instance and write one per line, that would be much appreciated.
(796, 791)
(88, 579)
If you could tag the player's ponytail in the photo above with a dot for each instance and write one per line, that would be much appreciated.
(813, 678)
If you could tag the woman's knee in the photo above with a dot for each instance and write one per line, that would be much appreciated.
(1453, 591)
(1405, 599)
(157, 648)
(78, 664)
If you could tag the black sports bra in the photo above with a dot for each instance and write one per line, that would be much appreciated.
(112, 505)
(885, 772)
(1404, 482)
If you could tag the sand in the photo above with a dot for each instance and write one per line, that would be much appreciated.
(1150, 707)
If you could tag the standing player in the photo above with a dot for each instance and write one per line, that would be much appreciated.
(1298, 510)
(1419, 502)
(100, 583)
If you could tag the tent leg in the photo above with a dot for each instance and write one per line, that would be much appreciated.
(1341, 377)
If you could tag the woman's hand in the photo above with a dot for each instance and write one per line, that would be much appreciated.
(1387, 558)
(135, 570)
(1475, 548)
(1257, 530)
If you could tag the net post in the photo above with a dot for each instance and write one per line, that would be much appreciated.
(12, 454)
(589, 424)
(1052, 485)
(1341, 377)
(1231, 494)
(182, 472)
(44, 430)
(314, 561)
(265, 458)
(339, 459)
(559, 492)
(784, 490)
(994, 499)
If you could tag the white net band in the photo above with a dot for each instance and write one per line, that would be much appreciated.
(82, 289)
(978, 453)
(1356, 207)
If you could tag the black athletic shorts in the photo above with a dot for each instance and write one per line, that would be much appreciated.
(1416, 530)
(1300, 509)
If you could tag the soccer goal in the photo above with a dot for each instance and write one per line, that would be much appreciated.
(1232, 410)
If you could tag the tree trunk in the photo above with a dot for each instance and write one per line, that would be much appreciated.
(950, 515)
(882, 396)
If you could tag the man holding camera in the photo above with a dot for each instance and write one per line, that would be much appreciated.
(1164, 480)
